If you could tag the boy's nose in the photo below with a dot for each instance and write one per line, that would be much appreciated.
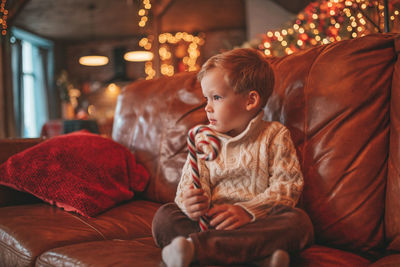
(208, 108)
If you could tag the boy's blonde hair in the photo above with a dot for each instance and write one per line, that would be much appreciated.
(246, 70)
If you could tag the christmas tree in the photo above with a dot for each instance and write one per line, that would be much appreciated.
(326, 21)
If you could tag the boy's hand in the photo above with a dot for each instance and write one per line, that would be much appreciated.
(228, 217)
(195, 203)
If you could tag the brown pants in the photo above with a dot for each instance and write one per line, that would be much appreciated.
(284, 228)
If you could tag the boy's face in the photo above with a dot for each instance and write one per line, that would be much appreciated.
(226, 110)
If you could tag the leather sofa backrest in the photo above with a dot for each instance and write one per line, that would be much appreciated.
(335, 100)
(392, 208)
(152, 119)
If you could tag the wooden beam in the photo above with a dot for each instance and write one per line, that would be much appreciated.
(293, 6)
(386, 15)
(15, 8)
(161, 7)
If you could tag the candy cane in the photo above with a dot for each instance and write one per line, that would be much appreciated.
(194, 150)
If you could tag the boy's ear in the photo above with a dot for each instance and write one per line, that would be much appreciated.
(253, 100)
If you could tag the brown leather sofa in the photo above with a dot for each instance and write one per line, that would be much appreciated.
(341, 103)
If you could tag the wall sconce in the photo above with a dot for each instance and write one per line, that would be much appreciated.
(138, 56)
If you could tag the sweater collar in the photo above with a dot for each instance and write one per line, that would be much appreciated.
(250, 128)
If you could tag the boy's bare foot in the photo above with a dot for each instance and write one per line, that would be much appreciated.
(179, 253)
(279, 258)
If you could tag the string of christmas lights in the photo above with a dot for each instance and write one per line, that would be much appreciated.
(3, 17)
(326, 21)
(168, 42)
(144, 13)
(181, 49)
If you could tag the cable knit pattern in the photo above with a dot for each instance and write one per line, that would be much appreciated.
(257, 170)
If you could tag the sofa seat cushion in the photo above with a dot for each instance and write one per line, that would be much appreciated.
(320, 256)
(29, 230)
(143, 252)
(138, 252)
(388, 261)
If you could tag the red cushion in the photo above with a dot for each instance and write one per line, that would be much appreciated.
(80, 172)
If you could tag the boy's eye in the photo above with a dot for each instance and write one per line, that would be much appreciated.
(216, 97)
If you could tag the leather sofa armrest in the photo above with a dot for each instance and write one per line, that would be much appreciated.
(387, 261)
(12, 197)
(9, 147)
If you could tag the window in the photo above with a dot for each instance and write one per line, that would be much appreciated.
(32, 63)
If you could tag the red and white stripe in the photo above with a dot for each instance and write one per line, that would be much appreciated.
(195, 150)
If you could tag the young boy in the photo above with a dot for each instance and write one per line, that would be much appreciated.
(250, 190)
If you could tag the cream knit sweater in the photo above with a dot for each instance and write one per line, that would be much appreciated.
(256, 169)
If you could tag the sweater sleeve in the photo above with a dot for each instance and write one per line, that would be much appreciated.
(186, 182)
(285, 178)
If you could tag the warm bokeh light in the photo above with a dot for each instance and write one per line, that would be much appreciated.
(142, 12)
(113, 90)
(91, 110)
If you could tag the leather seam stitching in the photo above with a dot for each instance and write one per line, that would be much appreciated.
(88, 224)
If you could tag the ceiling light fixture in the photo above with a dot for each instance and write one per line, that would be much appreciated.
(141, 55)
(93, 58)
(138, 56)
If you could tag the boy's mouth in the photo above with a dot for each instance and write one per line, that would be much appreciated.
(212, 121)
